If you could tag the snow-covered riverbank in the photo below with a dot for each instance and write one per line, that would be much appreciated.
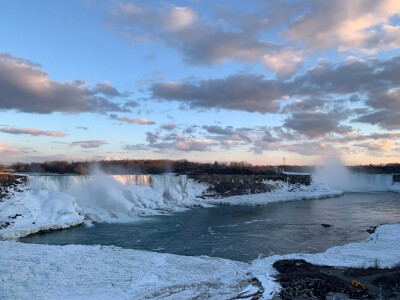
(97, 272)
(284, 192)
(104, 199)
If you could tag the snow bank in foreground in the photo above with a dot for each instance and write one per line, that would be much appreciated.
(96, 272)
(284, 192)
(29, 271)
(32, 211)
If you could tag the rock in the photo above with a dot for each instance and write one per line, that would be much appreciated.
(326, 225)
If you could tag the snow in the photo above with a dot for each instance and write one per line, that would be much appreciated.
(32, 211)
(106, 272)
(29, 271)
(284, 192)
(100, 272)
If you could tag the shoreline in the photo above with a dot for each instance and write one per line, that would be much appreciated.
(101, 272)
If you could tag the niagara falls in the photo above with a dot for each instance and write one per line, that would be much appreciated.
(197, 149)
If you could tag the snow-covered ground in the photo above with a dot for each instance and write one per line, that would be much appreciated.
(32, 211)
(284, 192)
(29, 271)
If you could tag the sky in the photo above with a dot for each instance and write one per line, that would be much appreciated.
(229, 80)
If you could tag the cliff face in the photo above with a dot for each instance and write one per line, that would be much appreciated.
(396, 177)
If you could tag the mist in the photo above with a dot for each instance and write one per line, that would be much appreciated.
(336, 175)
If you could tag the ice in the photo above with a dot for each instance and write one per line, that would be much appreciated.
(33, 211)
(122, 198)
(29, 271)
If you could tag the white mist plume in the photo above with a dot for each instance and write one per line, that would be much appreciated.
(333, 174)
(336, 175)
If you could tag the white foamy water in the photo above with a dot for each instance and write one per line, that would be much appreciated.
(119, 198)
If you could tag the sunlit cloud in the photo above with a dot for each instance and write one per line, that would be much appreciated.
(32, 131)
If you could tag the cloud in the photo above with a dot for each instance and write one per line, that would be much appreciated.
(377, 146)
(279, 34)
(199, 41)
(189, 144)
(314, 148)
(237, 92)
(358, 25)
(140, 121)
(106, 89)
(131, 103)
(88, 144)
(32, 131)
(384, 118)
(316, 124)
(219, 130)
(228, 136)
(168, 126)
(151, 137)
(319, 93)
(174, 141)
(138, 147)
(304, 105)
(26, 87)
(284, 62)
(6, 148)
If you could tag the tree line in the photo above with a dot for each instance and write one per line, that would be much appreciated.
(147, 166)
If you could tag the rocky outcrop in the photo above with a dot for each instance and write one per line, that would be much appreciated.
(396, 178)
(223, 185)
(9, 184)
(302, 280)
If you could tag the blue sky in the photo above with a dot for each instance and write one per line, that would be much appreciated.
(251, 81)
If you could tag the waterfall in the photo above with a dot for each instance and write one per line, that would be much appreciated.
(371, 182)
(383, 180)
(119, 198)
(57, 182)
(65, 182)
(140, 180)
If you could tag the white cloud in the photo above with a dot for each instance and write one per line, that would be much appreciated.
(178, 18)
(284, 62)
